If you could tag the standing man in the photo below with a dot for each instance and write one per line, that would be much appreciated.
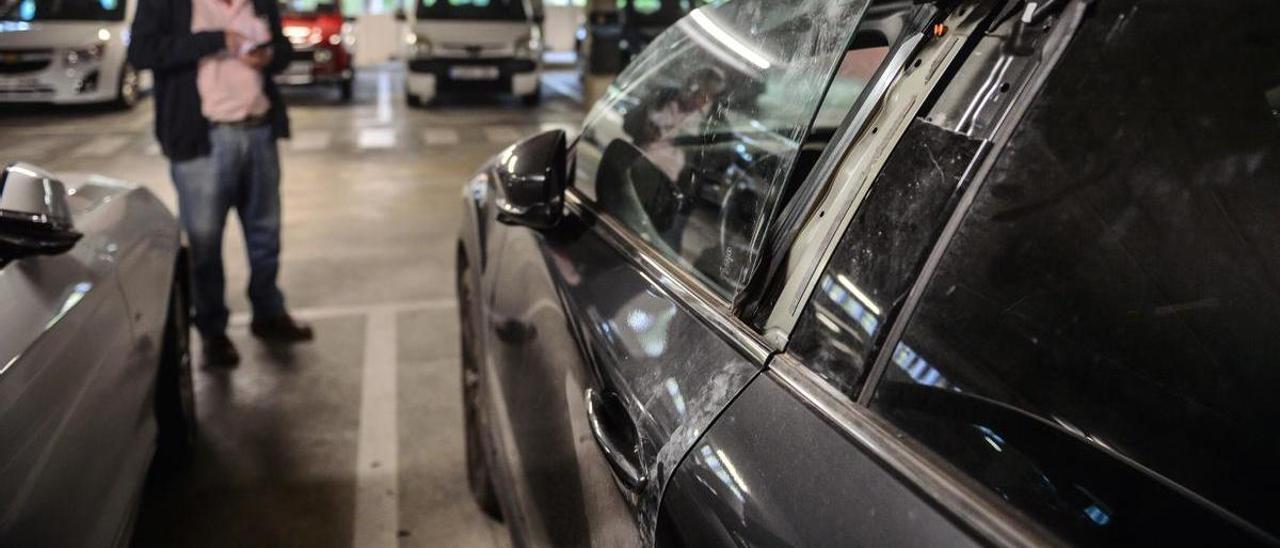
(218, 115)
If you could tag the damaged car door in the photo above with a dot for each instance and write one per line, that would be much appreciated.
(610, 343)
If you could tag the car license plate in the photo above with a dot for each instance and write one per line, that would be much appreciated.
(18, 83)
(299, 68)
(474, 73)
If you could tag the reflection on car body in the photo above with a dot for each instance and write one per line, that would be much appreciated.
(95, 373)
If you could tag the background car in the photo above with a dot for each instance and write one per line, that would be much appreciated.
(608, 40)
(68, 52)
(322, 42)
(95, 372)
(473, 46)
(1022, 293)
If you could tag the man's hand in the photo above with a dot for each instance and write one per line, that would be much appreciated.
(234, 41)
(258, 58)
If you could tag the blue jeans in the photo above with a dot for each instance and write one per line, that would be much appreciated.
(243, 172)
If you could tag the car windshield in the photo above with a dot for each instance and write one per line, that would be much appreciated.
(655, 12)
(62, 10)
(307, 7)
(512, 10)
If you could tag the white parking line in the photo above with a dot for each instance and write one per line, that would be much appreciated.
(377, 137)
(106, 145)
(440, 137)
(377, 515)
(502, 135)
(306, 141)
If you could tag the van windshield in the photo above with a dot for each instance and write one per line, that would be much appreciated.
(62, 10)
(509, 10)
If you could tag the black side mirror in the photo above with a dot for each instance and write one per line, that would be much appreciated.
(34, 216)
(531, 178)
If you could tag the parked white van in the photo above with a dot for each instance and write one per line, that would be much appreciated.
(67, 51)
(472, 45)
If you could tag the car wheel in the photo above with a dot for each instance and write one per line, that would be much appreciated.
(128, 87)
(412, 100)
(175, 392)
(532, 99)
(347, 89)
(479, 478)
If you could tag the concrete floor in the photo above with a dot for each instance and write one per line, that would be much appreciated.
(356, 438)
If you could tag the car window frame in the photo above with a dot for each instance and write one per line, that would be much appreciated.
(970, 503)
(842, 179)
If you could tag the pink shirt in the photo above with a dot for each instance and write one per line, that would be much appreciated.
(230, 90)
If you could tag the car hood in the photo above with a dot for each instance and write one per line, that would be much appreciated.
(487, 34)
(56, 34)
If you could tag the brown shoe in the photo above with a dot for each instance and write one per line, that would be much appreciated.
(281, 329)
(219, 352)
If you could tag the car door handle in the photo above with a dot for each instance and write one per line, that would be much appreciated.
(603, 414)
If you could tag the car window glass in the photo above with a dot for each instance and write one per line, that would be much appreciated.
(692, 144)
(881, 252)
(855, 72)
(1100, 337)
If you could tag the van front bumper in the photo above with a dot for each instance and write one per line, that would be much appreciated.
(427, 78)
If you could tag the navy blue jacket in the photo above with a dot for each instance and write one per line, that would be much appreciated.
(162, 41)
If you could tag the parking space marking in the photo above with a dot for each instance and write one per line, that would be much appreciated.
(241, 319)
(105, 145)
(384, 98)
(377, 138)
(502, 135)
(377, 517)
(310, 140)
(440, 137)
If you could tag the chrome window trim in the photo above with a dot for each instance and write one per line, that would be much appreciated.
(906, 90)
(704, 303)
(991, 520)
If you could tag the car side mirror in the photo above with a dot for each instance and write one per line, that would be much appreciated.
(34, 216)
(531, 179)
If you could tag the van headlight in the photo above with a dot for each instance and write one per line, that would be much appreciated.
(79, 56)
(528, 45)
(419, 46)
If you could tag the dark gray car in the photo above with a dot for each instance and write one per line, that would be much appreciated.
(847, 273)
(95, 375)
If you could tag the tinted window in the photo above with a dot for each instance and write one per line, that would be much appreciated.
(691, 146)
(63, 10)
(1112, 299)
(879, 255)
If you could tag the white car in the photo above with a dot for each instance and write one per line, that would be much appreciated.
(67, 52)
(469, 46)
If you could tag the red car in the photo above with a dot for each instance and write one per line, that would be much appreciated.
(322, 41)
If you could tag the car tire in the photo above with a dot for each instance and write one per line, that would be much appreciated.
(412, 100)
(347, 89)
(479, 478)
(128, 88)
(532, 99)
(175, 390)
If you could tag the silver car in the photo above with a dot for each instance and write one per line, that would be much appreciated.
(95, 374)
